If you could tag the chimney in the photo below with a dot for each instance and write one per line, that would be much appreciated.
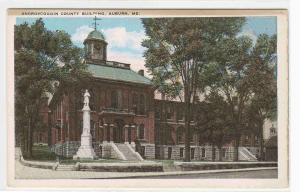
(141, 72)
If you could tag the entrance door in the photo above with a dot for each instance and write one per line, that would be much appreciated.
(129, 134)
(118, 131)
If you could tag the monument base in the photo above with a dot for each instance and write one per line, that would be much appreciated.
(85, 152)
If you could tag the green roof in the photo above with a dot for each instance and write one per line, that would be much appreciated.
(96, 35)
(117, 74)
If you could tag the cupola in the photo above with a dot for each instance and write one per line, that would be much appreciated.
(95, 47)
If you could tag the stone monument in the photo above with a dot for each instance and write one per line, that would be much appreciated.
(86, 150)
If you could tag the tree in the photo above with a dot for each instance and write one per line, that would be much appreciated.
(213, 122)
(263, 84)
(177, 51)
(229, 74)
(242, 74)
(42, 57)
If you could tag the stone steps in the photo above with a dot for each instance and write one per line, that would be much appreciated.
(62, 167)
(245, 154)
(129, 155)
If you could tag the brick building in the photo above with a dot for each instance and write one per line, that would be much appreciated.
(121, 104)
(125, 116)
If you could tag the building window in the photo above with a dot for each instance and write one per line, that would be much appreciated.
(181, 152)
(256, 139)
(142, 104)
(92, 99)
(246, 138)
(168, 134)
(223, 152)
(157, 133)
(93, 130)
(169, 152)
(203, 152)
(81, 125)
(58, 134)
(179, 114)
(169, 112)
(192, 153)
(114, 99)
(180, 133)
(157, 152)
(67, 131)
(141, 131)
(119, 95)
(273, 131)
(134, 103)
(143, 151)
(157, 112)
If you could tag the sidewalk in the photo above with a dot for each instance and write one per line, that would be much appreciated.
(24, 172)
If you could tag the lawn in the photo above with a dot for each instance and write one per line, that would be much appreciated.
(166, 162)
(71, 161)
(42, 153)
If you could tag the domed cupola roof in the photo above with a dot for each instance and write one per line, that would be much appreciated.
(95, 35)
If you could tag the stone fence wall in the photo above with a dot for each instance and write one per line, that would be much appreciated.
(150, 151)
(198, 153)
(69, 148)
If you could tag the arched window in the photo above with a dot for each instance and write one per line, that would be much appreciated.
(134, 103)
(169, 112)
(142, 104)
(92, 99)
(79, 99)
(93, 130)
(141, 131)
(180, 134)
(114, 99)
(119, 95)
(179, 114)
(157, 111)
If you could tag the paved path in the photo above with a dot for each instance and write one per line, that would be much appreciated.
(24, 172)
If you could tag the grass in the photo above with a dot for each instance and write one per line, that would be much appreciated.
(42, 153)
(166, 162)
(71, 161)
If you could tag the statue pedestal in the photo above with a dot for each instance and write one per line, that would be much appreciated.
(86, 150)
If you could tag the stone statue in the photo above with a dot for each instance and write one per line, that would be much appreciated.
(86, 150)
(86, 98)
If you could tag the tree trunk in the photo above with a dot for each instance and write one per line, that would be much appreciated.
(236, 148)
(220, 153)
(49, 129)
(261, 143)
(187, 139)
(236, 142)
(29, 139)
(23, 141)
(213, 151)
(187, 157)
(162, 128)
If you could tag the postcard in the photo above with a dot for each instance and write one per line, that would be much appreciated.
(142, 98)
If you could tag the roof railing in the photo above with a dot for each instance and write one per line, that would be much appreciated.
(118, 64)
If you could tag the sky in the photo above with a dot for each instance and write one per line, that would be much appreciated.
(124, 35)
